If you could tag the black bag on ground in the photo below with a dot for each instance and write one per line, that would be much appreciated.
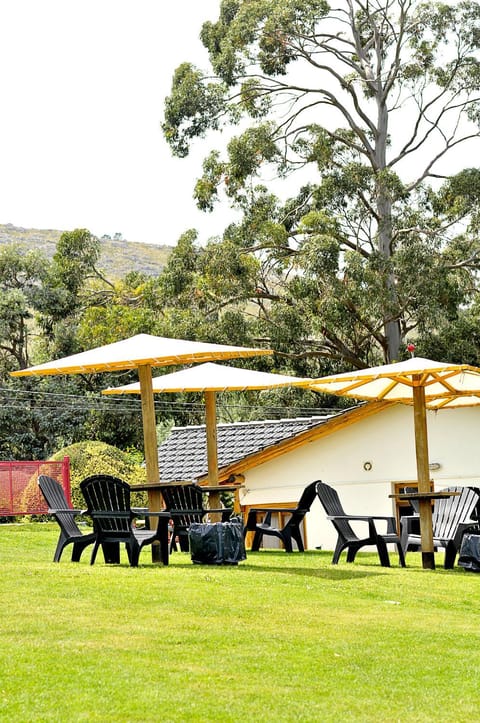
(469, 557)
(217, 543)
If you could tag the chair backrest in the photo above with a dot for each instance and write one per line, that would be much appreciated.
(104, 493)
(476, 512)
(331, 504)
(56, 500)
(415, 504)
(304, 503)
(449, 512)
(187, 499)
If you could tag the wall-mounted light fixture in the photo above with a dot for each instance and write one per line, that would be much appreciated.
(434, 465)
(367, 466)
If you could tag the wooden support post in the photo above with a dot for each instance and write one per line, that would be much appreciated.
(212, 452)
(423, 473)
(150, 447)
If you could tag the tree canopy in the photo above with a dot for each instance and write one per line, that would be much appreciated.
(367, 104)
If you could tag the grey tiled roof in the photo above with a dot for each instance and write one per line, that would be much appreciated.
(183, 456)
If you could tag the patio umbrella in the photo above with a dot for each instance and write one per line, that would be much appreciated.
(211, 378)
(142, 352)
(422, 383)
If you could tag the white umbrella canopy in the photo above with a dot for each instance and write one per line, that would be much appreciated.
(140, 350)
(211, 378)
(464, 400)
(396, 382)
(424, 384)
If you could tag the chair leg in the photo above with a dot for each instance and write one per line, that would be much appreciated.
(287, 541)
(257, 541)
(111, 552)
(183, 541)
(450, 555)
(297, 536)
(77, 549)
(383, 552)
(338, 551)
(62, 541)
(352, 550)
(401, 556)
(94, 552)
(133, 551)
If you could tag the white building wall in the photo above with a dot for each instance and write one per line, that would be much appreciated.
(385, 442)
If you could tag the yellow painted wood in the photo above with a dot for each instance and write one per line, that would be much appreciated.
(423, 473)
(212, 453)
(211, 427)
(149, 424)
(150, 447)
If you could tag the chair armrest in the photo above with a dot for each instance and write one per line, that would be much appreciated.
(66, 510)
(272, 509)
(180, 513)
(370, 519)
(161, 514)
(462, 528)
(364, 518)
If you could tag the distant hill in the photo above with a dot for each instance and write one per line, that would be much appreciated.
(118, 256)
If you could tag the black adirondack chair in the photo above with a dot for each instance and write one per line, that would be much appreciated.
(348, 538)
(185, 505)
(290, 530)
(108, 504)
(451, 518)
(58, 507)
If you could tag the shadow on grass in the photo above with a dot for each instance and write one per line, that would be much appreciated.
(280, 563)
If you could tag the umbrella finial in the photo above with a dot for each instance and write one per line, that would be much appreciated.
(411, 349)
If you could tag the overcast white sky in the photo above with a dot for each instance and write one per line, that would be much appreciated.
(82, 84)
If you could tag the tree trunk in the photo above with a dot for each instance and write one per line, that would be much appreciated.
(384, 211)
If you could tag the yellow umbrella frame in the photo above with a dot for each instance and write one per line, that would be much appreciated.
(424, 384)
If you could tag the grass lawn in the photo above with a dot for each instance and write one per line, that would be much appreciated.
(278, 638)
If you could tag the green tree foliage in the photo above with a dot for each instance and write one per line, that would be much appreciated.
(21, 278)
(42, 310)
(367, 105)
(73, 284)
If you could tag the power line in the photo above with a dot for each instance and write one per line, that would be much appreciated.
(12, 399)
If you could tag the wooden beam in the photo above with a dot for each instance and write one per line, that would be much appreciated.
(150, 447)
(212, 452)
(211, 429)
(149, 423)
(423, 474)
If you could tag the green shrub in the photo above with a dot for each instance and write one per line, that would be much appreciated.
(87, 458)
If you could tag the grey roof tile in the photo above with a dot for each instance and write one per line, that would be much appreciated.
(183, 456)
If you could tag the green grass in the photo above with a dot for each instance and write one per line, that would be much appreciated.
(278, 638)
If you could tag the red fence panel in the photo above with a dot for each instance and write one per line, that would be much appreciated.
(19, 491)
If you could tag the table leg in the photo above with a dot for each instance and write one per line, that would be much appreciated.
(155, 503)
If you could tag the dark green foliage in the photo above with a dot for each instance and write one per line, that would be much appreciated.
(369, 102)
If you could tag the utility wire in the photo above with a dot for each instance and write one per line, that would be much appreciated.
(13, 399)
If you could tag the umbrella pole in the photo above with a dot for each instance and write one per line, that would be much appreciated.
(212, 451)
(423, 474)
(150, 447)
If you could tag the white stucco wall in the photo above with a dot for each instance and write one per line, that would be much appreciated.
(386, 441)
